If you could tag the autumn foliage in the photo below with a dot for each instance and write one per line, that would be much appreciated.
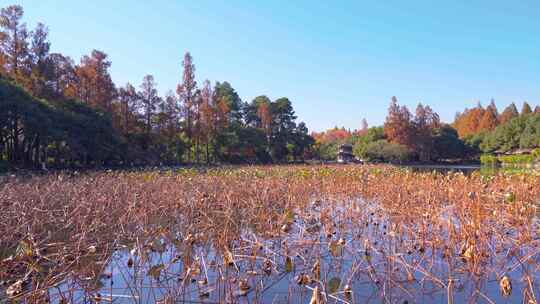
(50, 104)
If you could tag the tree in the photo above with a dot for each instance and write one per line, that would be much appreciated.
(493, 107)
(488, 122)
(265, 116)
(251, 115)
(186, 92)
(361, 142)
(283, 126)
(509, 113)
(530, 137)
(526, 109)
(537, 110)
(149, 102)
(301, 142)
(14, 45)
(363, 127)
(94, 85)
(40, 76)
(507, 136)
(226, 93)
(54, 109)
(171, 142)
(385, 151)
(398, 127)
(208, 117)
(130, 104)
(447, 143)
(62, 77)
(425, 121)
(33, 131)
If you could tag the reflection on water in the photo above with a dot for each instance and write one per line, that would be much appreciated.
(351, 252)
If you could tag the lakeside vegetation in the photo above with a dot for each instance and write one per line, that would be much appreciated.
(55, 113)
(424, 138)
(116, 193)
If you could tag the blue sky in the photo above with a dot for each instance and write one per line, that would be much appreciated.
(338, 61)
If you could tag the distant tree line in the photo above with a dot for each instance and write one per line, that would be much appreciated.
(57, 112)
(488, 131)
(422, 137)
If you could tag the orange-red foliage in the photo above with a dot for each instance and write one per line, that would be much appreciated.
(332, 135)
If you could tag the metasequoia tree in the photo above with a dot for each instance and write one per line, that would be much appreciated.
(509, 113)
(526, 109)
(13, 41)
(187, 94)
(94, 85)
(149, 102)
(398, 127)
(265, 115)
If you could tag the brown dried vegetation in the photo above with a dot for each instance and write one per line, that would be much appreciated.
(227, 234)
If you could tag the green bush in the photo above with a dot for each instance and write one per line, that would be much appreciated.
(517, 159)
(385, 151)
(328, 151)
(536, 154)
(489, 160)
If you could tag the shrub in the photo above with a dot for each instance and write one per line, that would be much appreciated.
(489, 160)
(536, 154)
(516, 159)
(385, 151)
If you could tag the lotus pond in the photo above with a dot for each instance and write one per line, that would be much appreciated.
(281, 234)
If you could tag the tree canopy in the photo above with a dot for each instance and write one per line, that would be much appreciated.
(56, 112)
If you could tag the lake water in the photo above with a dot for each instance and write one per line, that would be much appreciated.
(362, 258)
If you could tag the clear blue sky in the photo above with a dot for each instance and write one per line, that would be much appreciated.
(338, 61)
